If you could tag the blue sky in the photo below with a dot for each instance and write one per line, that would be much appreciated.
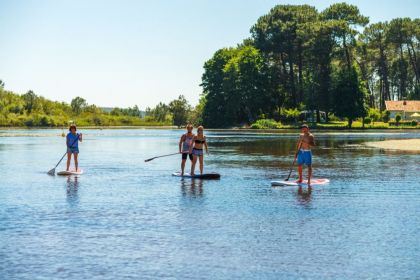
(122, 53)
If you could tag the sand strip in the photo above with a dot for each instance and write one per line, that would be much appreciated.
(401, 145)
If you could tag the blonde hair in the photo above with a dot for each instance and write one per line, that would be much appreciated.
(200, 128)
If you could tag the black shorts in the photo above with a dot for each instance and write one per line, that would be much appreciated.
(184, 156)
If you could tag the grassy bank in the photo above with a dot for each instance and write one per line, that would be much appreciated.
(338, 125)
(83, 120)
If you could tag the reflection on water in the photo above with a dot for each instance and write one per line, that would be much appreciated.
(72, 187)
(304, 195)
(192, 188)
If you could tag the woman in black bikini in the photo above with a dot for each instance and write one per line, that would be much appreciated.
(196, 149)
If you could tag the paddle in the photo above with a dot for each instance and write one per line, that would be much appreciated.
(52, 171)
(296, 154)
(149, 159)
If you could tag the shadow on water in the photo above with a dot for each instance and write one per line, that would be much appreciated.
(192, 188)
(72, 187)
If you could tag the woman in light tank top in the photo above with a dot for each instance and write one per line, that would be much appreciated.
(184, 146)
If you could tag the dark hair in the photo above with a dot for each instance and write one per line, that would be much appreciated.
(72, 126)
(304, 126)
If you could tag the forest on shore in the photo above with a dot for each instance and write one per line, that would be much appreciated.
(332, 63)
(31, 110)
(298, 58)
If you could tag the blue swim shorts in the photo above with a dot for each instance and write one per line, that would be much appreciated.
(73, 150)
(197, 152)
(304, 157)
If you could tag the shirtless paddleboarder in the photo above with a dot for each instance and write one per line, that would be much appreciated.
(305, 143)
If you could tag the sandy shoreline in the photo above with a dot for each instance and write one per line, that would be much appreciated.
(412, 145)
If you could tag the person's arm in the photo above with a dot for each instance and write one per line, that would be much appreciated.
(67, 141)
(180, 143)
(312, 140)
(206, 146)
(80, 137)
(192, 144)
(299, 142)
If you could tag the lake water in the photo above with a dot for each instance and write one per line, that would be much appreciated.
(127, 219)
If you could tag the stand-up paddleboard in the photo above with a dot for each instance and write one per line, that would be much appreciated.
(314, 181)
(198, 176)
(71, 172)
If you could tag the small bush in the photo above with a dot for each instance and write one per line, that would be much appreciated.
(266, 124)
(398, 118)
(367, 121)
(402, 123)
(374, 114)
(386, 116)
(414, 123)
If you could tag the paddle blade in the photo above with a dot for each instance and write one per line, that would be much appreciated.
(149, 159)
(51, 172)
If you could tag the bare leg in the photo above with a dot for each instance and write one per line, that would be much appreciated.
(201, 164)
(76, 162)
(183, 166)
(300, 173)
(194, 161)
(309, 174)
(68, 161)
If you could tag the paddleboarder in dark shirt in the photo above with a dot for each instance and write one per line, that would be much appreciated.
(72, 143)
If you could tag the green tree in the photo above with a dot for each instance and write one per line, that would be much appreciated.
(196, 115)
(180, 109)
(78, 104)
(320, 46)
(398, 36)
(378, 49)
(30, 99)
(348, 17)
(246, 82)
(349, 95)
(160, 112)
(215, 113)
(374, 114)
(278, 35)
(398, 119)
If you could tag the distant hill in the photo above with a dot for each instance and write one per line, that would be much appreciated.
(109, 110)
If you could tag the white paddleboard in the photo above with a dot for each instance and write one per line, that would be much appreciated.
(71, 172)
(314, 181)
(198, 176)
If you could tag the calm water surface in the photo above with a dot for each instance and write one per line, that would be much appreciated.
(127, 219)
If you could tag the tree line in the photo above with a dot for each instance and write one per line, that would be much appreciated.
(30, 110)
(299, 58)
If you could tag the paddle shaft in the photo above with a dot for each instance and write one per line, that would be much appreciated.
(149, 159)
(294, 160)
